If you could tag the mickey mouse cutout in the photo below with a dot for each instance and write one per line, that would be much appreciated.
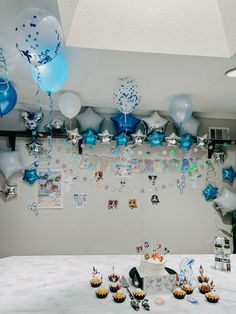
(155, 200)
(31, 119)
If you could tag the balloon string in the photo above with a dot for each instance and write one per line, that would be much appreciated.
(71, 162)
(49, 137)
(38, 81)
(3, 72)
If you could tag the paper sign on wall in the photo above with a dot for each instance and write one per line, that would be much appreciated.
(49, 191)
(80, 200)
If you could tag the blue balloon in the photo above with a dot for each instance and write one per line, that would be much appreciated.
(89, 137)
(210, 192)
(125, 123)
(122, 139)
(228, 174)
(51, 76)
(31, 176)
(181, 108)
(155, 138)
(8, 97)
(186, 141)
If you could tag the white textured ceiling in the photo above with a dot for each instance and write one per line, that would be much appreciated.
(186, 27)
(93, 72)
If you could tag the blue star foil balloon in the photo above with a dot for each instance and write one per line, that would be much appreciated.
(122, 139)
(89, 137)
(155, 138)
(186, 141)
(125, 123)
(210, 192)
(31, 176)
(228, 174)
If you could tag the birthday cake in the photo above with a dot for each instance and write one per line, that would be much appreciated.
(152, 265)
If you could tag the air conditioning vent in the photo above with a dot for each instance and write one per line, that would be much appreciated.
(219, 133)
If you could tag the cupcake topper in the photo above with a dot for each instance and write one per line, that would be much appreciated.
(95, 271)
(166, 251)
(201, 271)
(212, 285)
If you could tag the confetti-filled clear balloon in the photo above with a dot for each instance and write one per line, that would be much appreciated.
(126, 96)
(38, 36)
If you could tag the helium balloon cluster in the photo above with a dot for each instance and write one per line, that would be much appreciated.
(39, 40)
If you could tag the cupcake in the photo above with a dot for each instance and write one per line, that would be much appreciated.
(119, 297)
(96, 282)
(204, 287)
(113, 277)
(101, 293)
(114, 287)
(139, 294)
(212, 297)
(179, 293)
(188, 288)
(203, 278)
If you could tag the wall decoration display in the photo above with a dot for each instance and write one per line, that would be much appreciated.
(112, 204)
(155, 199)
(49, 191)
(80, 200)
(152, 179)
(33, 208)
(122, 170)
(132, 203)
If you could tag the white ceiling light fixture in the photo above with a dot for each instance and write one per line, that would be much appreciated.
(231, 73)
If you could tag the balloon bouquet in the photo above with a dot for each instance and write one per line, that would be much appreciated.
(39, 39)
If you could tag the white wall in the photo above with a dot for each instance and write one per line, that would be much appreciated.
(183, 223)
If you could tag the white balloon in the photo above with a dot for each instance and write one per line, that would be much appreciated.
(69, 104)
(226, 201)
(190, 126)
(10, 163)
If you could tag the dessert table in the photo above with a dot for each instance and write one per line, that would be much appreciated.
(60, 285)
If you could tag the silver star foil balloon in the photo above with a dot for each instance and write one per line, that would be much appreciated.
(57, 123)
(35, 148)
(155, 122)
(9, 191)
(220, 156)
(105, 137)
(202, 141)
(138, 137)
(172, 139)
(73, 136)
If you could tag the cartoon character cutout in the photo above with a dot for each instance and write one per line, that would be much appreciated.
(155, 200)
(132, 203)
(112, 204)
(152, 179)
(98, 176)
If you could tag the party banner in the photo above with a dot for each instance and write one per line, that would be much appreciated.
(49, 189)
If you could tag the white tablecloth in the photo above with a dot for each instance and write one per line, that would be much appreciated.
(60, 285)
